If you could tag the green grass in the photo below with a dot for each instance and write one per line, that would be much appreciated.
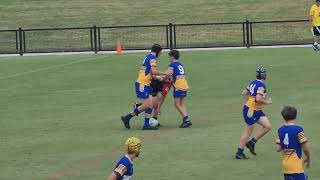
(46, 13)
(61, 112)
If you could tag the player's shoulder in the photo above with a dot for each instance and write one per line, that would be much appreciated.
(313, 6)
(176, 63)
(125, 161)
(292, 128)
(259, 83)
(256, 82)
(150, 56)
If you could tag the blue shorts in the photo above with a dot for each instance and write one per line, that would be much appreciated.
(300, 176)
(252, 117)
(143, 93)
(179, 93)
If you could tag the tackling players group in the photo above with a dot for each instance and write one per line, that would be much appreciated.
(291, 139)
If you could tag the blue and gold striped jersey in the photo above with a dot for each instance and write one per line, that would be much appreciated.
(145, 75)
(179, 75)
(291, 137)
(124, 169)
(256, 87)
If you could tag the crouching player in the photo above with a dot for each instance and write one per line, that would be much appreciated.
(124, 168)
(180, 86)
(160, 85)
(255, 95)
(292, 141)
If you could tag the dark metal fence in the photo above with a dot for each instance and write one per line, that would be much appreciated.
(208, 35)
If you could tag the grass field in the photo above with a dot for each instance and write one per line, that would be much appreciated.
(72, 13)
(59, 115)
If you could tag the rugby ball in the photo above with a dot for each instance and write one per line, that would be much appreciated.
(153, 122)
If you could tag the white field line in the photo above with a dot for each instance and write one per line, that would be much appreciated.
(143, 51)
(49, 67)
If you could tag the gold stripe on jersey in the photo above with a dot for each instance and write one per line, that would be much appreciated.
(181, 83)
(153, 63)
(121, 169)
(291, 163)
(144, 79)
(302, 138)
(260, 91)
(253, 105)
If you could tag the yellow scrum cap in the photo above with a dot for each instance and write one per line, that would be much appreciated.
(133, 145)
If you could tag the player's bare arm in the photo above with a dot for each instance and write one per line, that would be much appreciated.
(306, 151)
(278, 146)
(155, 72)
(246, 94)
(263, 98)
(112, 176)
(121, 169)
(159, 77)
(311, 20)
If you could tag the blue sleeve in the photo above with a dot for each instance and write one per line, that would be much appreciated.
(121, 168)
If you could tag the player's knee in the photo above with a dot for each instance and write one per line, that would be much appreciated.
(268, 127)
(177, 104)
(245, 135)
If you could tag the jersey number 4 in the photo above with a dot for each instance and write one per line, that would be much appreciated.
(286, 139)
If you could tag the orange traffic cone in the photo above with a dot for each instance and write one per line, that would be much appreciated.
(119, 48)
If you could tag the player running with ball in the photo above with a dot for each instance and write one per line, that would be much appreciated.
(255, 95)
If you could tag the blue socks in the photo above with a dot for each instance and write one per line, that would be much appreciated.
(148, 113)
(240, 151)
(136, 111)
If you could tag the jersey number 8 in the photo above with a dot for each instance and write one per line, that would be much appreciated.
(181, 70)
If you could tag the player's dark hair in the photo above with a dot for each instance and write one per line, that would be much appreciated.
(318, 1)
(174, 53)
(261, 73)
(289, 113)
(156, 48)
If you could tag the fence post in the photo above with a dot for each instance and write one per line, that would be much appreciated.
(95, 39)
(174, 37)
(99, 40)
(167, 35)
(244, 33)
(247, 34)
(91, 38)
(17, 41)
(20, 42)
(170, 36)
(251, 34)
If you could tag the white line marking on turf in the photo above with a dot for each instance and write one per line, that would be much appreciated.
(49, 67)
(143, 51)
